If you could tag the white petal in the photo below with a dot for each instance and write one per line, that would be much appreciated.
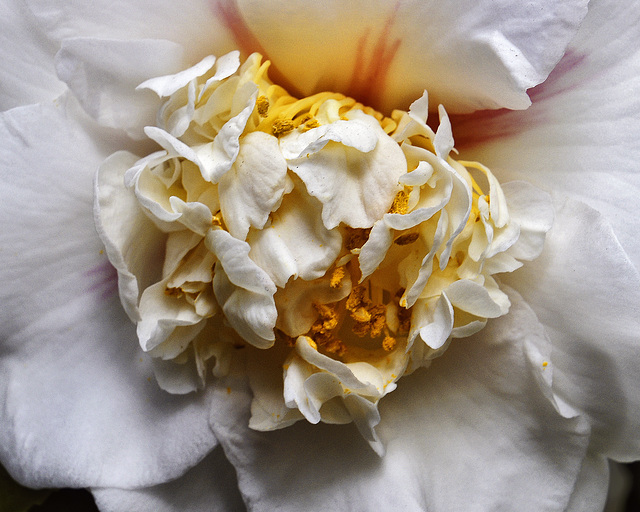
(218, 156)
(255, 184)
(354, 187)
(467, 54)
(475, 299)
(243, 290)
(160, 314)
(296, 243)
(268, 409)
(166, 85)
(443, 141)
(587, 294)
(211, 486)
(193, 24)
(483, 431)
(591, 489)
(581, 135)
(128, 235)
(433, 324)
(80, 405)
(175, 378)
(234, 258)
(27, 74)
(532, 210)
(353, 134)
(103, 74)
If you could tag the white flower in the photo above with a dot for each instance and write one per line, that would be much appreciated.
(522, 415)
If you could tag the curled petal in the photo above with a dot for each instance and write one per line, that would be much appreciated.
(362, 194)
(255, 184)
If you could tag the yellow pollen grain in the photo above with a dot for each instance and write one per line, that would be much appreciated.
(262, 103)
(361, 315)
(378, 320)
(282, 127)
(336, 277)
(400, 203)
(335, 346)
(545, 364)
(312, 344)
(388, 344)
(312, 123)
(407, 239)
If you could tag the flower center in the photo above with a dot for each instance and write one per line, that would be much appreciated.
(348, 245)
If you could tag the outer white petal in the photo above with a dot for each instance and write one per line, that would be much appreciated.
(103, 74)
(587, 294)
(467, 54)
(194, 23)
(27, 74)
(476, 431)
(532, 210)
(581, 136)
(211, 486)
(80, 405)
(590, 492)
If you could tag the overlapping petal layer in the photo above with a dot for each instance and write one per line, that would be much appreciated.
(474, 54)
(459, 436)
(580, 134)
(592, 357)
(95, 416)
(584, 270)
(27, 74)
(209, 487)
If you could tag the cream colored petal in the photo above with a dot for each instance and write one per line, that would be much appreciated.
(296, 243)
(355, 188)
(254, 185)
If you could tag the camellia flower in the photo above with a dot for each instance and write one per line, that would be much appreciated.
(245, 268)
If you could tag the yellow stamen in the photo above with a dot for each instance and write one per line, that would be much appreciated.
(389, 343)
(400, 203)
(282, 127)
(262, 103)
(336, 277)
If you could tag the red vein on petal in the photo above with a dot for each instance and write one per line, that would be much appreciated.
(247, 41)
(484, 126)
(368, 86)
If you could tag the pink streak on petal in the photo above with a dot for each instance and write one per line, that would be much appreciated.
(104, 280)
(246, 40)
(484, 126)
(367, 85)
